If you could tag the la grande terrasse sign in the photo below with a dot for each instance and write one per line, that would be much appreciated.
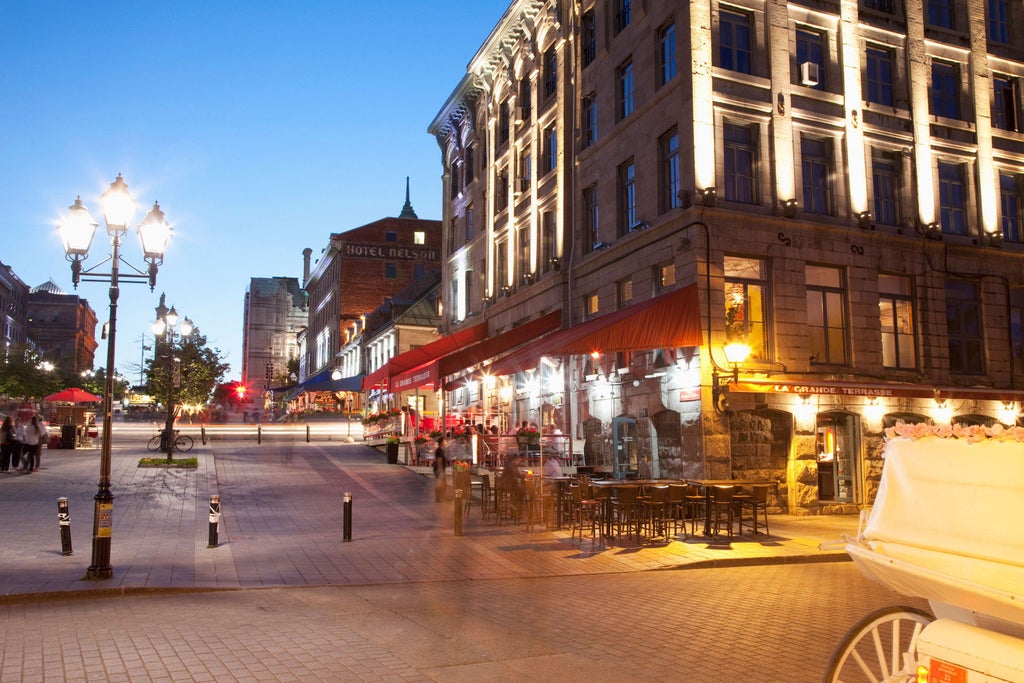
(387, 251)
(875, 390)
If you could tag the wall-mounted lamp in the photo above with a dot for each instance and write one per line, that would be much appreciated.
(735, 354)
(864, 220)
(1009, 413)
(943, 411)
(789, 207)
(708, 196)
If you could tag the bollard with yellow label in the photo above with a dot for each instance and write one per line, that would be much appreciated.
(214, 521)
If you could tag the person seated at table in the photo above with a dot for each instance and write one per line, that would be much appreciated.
(552, 468)
(512, 475)
(644, 468)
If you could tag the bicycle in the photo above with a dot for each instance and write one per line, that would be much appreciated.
(182, 442)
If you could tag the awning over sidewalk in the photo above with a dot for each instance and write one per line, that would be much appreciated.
(867, 390)
(429, 374)
(671, 320)
(415, 358)
(322, 381)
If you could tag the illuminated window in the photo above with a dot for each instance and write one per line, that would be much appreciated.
(896, 314)
(419, 237)
(746, 303)
(590, 305)
(664, 277)
(624, 292)
(826, 315)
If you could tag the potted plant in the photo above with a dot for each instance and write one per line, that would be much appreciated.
(391, 447)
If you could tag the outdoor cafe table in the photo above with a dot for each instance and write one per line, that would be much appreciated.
(611, 485)
(708, 484)
(561, 485)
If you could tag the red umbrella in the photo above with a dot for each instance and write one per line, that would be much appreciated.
(73, 395)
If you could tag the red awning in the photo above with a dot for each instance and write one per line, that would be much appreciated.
(428, 352)
(431, 373)
(668, 321)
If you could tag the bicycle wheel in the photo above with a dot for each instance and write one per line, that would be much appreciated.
(154, 443)
(873, 650)
(183, 443)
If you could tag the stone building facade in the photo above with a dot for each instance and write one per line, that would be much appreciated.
(62, 326)
(274, 313)
(837, 185)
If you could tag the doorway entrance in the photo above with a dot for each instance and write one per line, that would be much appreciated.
(624, 446)
(838, 444)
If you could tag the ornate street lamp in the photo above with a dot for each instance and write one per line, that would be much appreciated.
(76, 233)
(165, 328)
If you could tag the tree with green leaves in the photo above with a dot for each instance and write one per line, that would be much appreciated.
(180, 372)
(25, 373)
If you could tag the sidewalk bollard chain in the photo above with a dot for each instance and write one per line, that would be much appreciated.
(64, 520)
(458, 512)
(214, 521)
(347, 517)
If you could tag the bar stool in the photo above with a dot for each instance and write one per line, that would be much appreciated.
(722, 507)
(757, 500)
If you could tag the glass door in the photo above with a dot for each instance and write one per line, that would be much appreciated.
(837, 448)
(624, 436)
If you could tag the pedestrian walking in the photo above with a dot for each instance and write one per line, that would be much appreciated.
(440, 470)
(7, 438)
(18, 447)
(35, 435)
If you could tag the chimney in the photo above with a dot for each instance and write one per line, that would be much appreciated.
(306, 253)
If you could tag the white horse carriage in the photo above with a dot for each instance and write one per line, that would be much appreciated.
(948, 526)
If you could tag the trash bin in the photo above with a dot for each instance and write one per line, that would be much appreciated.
(67, 436)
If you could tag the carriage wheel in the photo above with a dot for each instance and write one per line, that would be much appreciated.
(872, 651)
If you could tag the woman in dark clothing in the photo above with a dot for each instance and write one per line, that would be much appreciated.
(7, 440)
(440, 469)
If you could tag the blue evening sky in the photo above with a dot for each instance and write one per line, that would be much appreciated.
(260, 127)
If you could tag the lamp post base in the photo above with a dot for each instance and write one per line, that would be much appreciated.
(101, 527)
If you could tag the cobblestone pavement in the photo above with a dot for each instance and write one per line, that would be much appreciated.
(281, 525)
(406, 599)
(766, 623)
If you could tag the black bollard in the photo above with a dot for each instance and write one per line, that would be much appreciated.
(259, 433)
(214, 521)
(64, 520)
(347, 517)
(458, 512)
(202, 433)
(307, 433)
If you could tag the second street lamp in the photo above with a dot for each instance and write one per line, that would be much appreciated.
(165, 329)
(76, 233)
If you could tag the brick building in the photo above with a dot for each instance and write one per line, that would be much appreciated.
(356, 272)
(62, 326)
(837, 185)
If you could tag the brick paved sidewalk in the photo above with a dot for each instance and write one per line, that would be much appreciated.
(282, 526)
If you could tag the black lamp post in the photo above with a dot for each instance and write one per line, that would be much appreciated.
(165, 329)
(76, 233)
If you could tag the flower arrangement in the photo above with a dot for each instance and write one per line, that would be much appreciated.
(393, 441)
(969, 433)
(461, 432)
(420, 440)
(460, 466)
(530, 434)
(435, 434)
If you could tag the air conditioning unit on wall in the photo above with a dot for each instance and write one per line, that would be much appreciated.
(809, 74)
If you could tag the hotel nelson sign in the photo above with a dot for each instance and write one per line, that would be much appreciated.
(388, 251)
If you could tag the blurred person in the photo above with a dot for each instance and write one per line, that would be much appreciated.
(440, 471)
(7, 439)
(35, 435)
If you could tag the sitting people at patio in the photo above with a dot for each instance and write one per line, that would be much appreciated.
(552, 468)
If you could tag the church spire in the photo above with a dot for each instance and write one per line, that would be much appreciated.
(407, 211)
